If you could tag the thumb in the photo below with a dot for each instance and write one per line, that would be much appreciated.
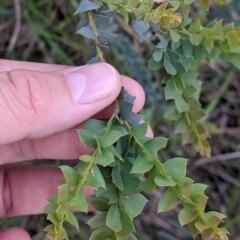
(39, 104)
(14, 233)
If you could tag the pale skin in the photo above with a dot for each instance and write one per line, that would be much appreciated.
(38, 118)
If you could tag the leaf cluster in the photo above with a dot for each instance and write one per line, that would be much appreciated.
(180, 52)
(141, 15)
(126, 57)
(181, 46)
(125, 163)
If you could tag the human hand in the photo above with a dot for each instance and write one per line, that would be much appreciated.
(40, 107)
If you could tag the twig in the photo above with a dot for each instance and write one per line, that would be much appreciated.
(16, 30)
(221, 157)
(125, 28)
(222, 175)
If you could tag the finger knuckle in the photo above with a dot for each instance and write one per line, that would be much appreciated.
(30, 95)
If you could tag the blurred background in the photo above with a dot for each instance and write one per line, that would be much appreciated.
(44, 31)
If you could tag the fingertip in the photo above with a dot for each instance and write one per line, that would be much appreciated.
(14, 233)
(149, 132)
(93, 83)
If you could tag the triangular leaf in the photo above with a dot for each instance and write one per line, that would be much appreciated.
(181, 104)
(72, 177)
(114, 151)
(139, 131)
(79, 202)
(51, 207)
(86, 5)
(171, 112)
(195, 39)
(171, 90)
(86, 158)
(176, 168)
(169, 66)
(98, 175)
(184, 186)
(64, 194)
(200, 200)
(198, 188)
(163, 41)
(71, 218)
(193, 230)
(111, 137)
(214, 218)
(161, 181)
(157, 55)
(101, 234)
(127, 224)
(111, 192)
(52, 217)
(105, 159)
(155, 144)
(140, 27)
(87, 31)
(130, 205)
(99, 203)
(186, 215)
(87, 137)
(98, 221)
(95, 125)
(131, 183)
(91, 182)
(174, 35)
(117, 178)
(142, 164)
(113, 220)
(125, 109)
(168, 201)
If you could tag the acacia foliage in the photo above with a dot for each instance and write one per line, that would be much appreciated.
(125, 162)
(181, 44)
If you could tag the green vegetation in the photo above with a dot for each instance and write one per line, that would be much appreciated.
(200, 43)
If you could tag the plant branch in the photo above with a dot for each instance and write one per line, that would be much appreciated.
(97, 44)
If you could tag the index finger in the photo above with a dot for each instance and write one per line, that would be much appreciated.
(9, 65)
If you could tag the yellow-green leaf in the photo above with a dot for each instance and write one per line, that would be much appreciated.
(186, 215)
(64, 194)
(71, 218)
(162, 181)
(184, 186)
(168, 201)
(176, 168)
(72, 177)
(174, 35)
